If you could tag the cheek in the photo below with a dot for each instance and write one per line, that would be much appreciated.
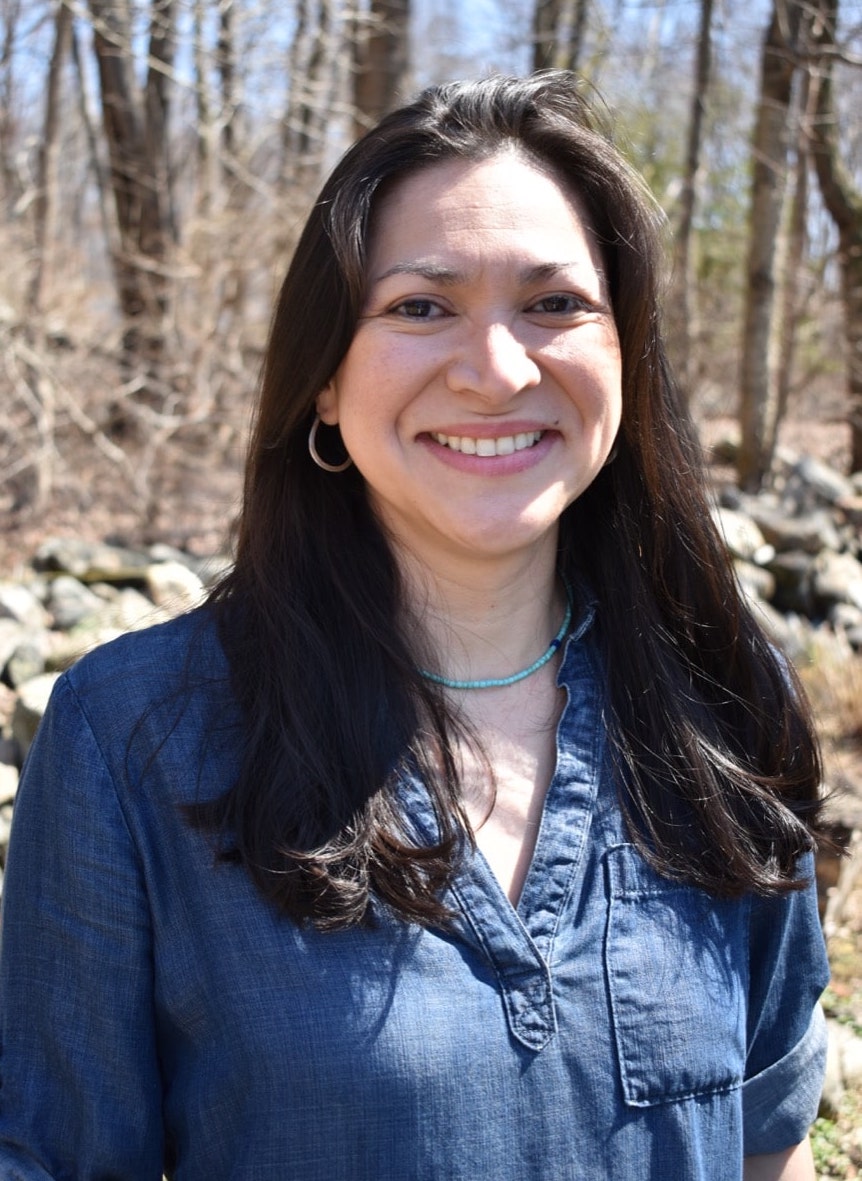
(377, 396)
(592, 377)
(368, 379)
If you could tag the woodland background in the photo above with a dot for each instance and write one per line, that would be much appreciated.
(157, 158)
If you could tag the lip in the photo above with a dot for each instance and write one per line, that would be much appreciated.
(491, 465)
(493, 430)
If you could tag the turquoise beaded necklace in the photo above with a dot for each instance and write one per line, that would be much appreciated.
(501, 682)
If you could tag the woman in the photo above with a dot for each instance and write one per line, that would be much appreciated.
(466, 832)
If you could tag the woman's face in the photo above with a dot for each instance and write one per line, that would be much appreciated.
(481, 393)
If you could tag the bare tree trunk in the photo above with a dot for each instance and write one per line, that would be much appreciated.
(843, 199)
(131, 187)
(682, 301)
(233, 286)
(380, 60)
(205, 153)
(156, 115)
(11, 12)
(226, 57)
(136, 135)
(45, 205)
(559, 32)
(109, 228)
(760, 346)
(546, 17)
(309, 110)
(797, 249)
(42, 394)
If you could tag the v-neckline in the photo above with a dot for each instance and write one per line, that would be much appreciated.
(518, 941)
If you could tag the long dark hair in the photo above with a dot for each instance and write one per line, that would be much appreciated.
(716, 761)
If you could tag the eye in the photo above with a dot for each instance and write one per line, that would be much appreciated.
(559, 304)
(418, 309)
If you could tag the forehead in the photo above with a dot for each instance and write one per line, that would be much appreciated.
(466, 202)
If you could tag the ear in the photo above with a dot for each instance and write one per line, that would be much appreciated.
(326, 404)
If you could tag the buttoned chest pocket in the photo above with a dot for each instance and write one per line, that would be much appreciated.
(677, 972)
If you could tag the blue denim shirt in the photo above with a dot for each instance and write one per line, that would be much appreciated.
(157, 1014)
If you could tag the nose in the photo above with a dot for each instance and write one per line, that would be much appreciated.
(492, 363)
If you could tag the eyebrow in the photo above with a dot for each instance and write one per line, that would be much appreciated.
(449, 277)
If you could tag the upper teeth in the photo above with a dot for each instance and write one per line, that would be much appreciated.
(505, 445)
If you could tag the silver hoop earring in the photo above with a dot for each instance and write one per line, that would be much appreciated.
(315, 455)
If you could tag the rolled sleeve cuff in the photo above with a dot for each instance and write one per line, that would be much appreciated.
(780, 1104)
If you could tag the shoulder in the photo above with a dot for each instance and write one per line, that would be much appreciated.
(152, 694)
(155, 658)
(142, 671)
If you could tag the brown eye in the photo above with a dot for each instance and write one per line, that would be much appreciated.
(558, 305)
(418, 309)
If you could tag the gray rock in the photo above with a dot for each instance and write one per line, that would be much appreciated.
(742, 536)
(8, 782)
(837, 578)
(91, 562)
(209, 570)
(854, 638)
(755, 580)
(833, 1083)
(844, 1059)
(70, 602)
(12, 635)
(30, 706)
(162, 552)
(26, 662)
(67, 647)
(173, 586)
(21, 604)
(826, 485)
(844, 617)
(106, 591)
(809, 533)
(5, 828)
(794, 574)
(851, 1061)
(132, 610)
(850, 509)
(10, 755)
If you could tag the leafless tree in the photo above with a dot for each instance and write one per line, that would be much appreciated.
(559, 32)
(796, 288)
(45, 203)
(759, 405)
(843, 199)
(381, 40)
(683, 305)
(10, 11)
(135, 129)
(315, 55)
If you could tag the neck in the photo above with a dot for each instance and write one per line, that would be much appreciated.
(490, 621)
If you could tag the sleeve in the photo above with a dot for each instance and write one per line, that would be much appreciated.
(786, 1027)
(81, 1091)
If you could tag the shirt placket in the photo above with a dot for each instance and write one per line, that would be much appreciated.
(518, 943)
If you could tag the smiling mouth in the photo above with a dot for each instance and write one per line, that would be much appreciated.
(505, 445)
